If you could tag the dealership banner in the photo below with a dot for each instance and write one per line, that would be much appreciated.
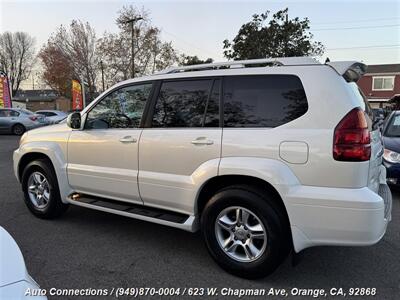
(5, 97)
(77, 99)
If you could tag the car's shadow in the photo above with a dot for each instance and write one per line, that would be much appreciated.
(92, 248)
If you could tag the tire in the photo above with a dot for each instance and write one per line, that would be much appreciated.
(18, 129)
(33, 173)
(273, 247)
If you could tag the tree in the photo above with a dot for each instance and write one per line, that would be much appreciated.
(187, 60)
(17, 56)
(57, 70)
(281, 37)
(76, 47)
(151, 54)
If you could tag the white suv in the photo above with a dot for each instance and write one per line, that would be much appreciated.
(264, 156)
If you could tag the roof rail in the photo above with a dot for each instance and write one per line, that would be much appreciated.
(279, 61)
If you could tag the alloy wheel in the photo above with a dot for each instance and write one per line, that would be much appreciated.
(240, 234)
(38, 190)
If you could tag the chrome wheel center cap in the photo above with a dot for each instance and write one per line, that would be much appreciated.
(240, 233)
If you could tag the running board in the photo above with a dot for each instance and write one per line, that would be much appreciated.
(136, 211)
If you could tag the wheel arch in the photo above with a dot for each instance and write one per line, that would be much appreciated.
(55, 158)
(29, 157)
(260, 185)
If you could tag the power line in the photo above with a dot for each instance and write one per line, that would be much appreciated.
(360, 27)
(357, 21)
(187, 43)
(365, 47)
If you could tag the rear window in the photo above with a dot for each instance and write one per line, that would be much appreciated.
(263, 101)
(46, 113)
(26, 112)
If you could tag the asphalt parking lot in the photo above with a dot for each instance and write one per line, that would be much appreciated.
(91, 249)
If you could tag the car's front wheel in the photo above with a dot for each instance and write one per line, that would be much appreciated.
(245, 232)
(40, 187)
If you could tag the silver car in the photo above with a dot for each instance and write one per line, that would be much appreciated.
(52, 116)
(17, 121)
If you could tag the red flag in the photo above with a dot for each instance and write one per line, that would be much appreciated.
(5, 97)
(77, 99)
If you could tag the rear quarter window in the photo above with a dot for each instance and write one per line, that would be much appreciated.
(263, 100)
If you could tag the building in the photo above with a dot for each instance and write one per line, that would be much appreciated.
(381, 84)
(41, 99)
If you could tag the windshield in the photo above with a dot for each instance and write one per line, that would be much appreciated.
(393, 128)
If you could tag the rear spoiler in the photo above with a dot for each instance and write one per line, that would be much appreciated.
(351, 71)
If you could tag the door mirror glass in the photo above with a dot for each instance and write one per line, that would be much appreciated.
(74, 120)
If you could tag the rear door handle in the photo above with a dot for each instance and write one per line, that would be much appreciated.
(202, 141)
(128, 139)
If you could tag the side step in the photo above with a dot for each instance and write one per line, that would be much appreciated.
(136, 211)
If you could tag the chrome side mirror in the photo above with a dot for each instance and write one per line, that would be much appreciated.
(74, 120)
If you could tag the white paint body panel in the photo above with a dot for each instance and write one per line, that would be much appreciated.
(172, 169)
(99, 164)
(14, 278)
(327, 202)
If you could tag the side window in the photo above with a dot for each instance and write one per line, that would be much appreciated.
(263, 101)
(122, 108)
(187, 103)
(8, 113)
(47, 113)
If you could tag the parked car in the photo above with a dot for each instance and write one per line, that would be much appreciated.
(391, 141)
(17, 121)
(379, 113)
(264, 156)
(14, 279)
(52, 116)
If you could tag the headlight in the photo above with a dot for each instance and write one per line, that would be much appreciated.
(391, 156)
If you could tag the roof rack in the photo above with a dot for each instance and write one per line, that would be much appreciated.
(279, 61)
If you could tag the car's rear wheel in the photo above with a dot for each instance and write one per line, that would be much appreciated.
(40, 187)
(245, 232)
(18, 129)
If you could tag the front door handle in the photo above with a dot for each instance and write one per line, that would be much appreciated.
(128, 139)
(202, 141)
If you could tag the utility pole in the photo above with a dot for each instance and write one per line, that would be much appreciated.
(102, 73)
(83, 91)
(132, 22)
(286, 38)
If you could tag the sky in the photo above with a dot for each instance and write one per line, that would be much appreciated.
(367, 31)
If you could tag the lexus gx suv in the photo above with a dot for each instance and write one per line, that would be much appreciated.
(263, 156)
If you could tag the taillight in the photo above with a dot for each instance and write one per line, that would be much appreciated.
(33, 118)
(351, 140)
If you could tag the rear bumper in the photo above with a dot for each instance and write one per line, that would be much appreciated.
(335, 216)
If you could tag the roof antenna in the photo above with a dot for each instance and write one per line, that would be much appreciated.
(327, 60)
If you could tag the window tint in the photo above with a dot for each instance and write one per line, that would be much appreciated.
(263, 101)
(26, 112)
(8, 113)
(13, 113)
(393, 128)
(46, 113)
(122, 108)
(187, 103)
